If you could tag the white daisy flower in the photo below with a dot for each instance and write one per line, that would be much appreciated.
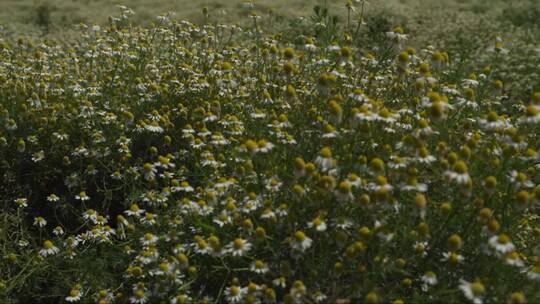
(238, 247)
(48, 249)
(430, 278)
(533, 273)
(74, 295)
(259, 267)
(235, 294)
(501, 244)
(21, 202)
(473, 291)
(300, 241)
(40, 222)
(148, 239)
(82, 196)
(318, 223)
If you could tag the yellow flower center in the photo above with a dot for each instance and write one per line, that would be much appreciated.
(299, 236)
(478, 289)
(531, 111)
(163, 266)
(345, 187)
(148, 167)
(381, 180)
(377, 164)
(503, 239)
(139, 294)
(234, 290)
(251, 145)
(460, 167)
(492, 116)
(48, 244)
(238, 243)
(403, 56)
(326, 152)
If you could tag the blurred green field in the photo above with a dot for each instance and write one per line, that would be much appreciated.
(324, 152)
(464, 28)
(57, 17)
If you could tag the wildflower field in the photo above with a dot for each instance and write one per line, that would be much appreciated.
(360, 153)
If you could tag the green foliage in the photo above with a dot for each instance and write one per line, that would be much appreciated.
(329, 161)
(43, 16)
(525, 15)
(325, 25)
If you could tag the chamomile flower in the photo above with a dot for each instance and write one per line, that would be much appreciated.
(421, 248)
(139, 297)
(268, 214)
(134, 210)
(423, 156)
(493, 122)
(520, 180)
(344, 192)
(300, 241)
(501, 244)
(48, 249)
(74, 295)
(259, 267)
(149, 239)
(513, 259)
(264, 146)
(58, 231)
(429, 279)
(532, 115)
(183, 187)
(412, 184)
(318, 223)
(319, 297)
(325, 160)
(53, 198)
(298, 290)
(82, 196)
(280, 282)
(235, 294)
(21, 202)
(397, 35)
(149, 171)
(354, 180)
(181, 299)
(474, 291)
(273, 184)
(459, 174)
(164, 162)
(452, 258)
(40, 222)
(90, 214)
(149, 218)
(380, 184)
(533, 273)
(223, 219)
(397, 162)
(238, 247)
(343, 223)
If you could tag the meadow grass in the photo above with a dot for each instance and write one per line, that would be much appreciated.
(30, 16)
(244, 157)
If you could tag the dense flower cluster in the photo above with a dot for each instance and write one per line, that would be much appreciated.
(186, 164)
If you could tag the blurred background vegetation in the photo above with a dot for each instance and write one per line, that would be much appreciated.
(465, 29)
(57, 17)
